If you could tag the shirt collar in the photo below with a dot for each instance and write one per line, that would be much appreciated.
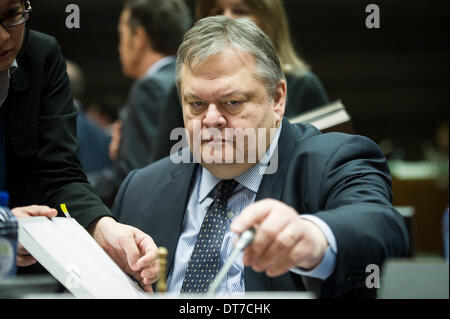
(155, 67)
(13, 67)
(4, 81)
(250, 179)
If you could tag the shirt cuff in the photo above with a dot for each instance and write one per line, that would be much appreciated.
(326, 266)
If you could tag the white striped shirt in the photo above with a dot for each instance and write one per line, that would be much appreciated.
(243, 195)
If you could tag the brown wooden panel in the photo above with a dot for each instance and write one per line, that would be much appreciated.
(429, 197)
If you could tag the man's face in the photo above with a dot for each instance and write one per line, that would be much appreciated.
(11, 38)
(127, 51)
(222, 93)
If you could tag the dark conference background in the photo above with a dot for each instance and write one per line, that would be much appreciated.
(393, 80)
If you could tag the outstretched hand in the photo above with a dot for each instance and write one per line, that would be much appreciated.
(282, 240)
(134, 251)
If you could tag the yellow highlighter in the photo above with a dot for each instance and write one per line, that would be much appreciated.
(65, 211)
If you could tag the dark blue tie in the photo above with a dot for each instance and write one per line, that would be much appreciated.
(2, 151)
(205, 262)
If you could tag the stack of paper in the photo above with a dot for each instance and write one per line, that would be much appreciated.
(74, 258)
(332, 117)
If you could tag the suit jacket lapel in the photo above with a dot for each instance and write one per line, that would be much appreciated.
(179, 188)
(21, 82)
(272, 184)
(17, 100)
(272, 187)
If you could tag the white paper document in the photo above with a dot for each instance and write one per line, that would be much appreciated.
(74, 258)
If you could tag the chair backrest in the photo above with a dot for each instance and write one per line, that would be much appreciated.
(414, 279)
(407, 213)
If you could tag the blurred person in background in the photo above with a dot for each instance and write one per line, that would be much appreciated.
(93, 142)
(105, 111)
(150, 32)
(305, 89)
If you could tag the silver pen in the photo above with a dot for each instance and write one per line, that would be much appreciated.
(244, 240)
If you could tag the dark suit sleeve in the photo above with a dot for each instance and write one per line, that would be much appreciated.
(355, 195)
(138, 135)
(58, 170)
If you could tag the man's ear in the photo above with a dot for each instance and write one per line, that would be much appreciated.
(141, 39)
(280, 100)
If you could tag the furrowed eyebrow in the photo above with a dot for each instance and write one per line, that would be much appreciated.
(9, 12)
(191, 96)
(11, 3)
(235, 93)
(12, 6)
(13, 10)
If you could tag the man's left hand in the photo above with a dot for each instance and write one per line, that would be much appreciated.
(134, 251)
(282, 240)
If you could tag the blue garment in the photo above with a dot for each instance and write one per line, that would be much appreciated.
(2, 151)
(151, 71)
(244, 195)
(93, 150)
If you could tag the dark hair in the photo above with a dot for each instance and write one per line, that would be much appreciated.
(109, 106)
(164, 21)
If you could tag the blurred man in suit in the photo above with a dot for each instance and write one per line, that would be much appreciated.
(93, 151)
(39, 167)
(150, 32)
(320, 203)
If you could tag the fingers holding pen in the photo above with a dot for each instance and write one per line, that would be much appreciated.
(282, 239)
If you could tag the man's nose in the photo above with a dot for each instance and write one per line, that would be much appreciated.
(214, 117)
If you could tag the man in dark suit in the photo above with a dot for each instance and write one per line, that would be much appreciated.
(38, 162)
(150, 32)
(320, 203)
